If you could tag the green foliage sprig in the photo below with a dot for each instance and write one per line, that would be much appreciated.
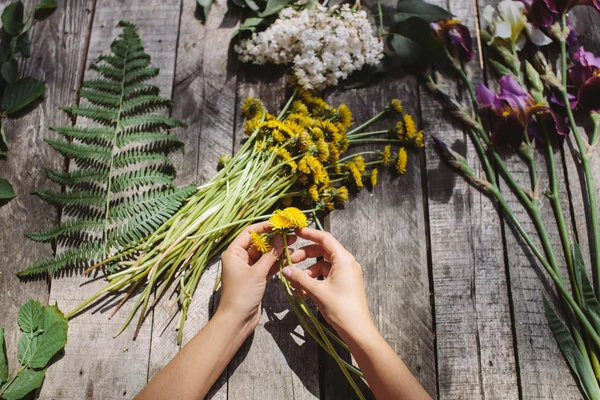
(44, 333)
(17, 93)
(122, 186)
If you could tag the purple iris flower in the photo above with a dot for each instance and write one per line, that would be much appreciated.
(456, 38)
(545, 12)
(584, 80)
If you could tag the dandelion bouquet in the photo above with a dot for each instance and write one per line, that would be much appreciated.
(535, 109)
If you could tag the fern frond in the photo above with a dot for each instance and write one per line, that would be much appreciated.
(90, 198)
(80, 256)
(148, 123)
(74, 178)
(64, 229)
(124, 184)
(95, 113)
(81, 151)
(87, 135)
(152, 139)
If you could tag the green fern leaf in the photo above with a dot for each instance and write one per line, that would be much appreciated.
(120, 187)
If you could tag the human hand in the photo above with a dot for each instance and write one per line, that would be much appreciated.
(245, 275)
(340, 297)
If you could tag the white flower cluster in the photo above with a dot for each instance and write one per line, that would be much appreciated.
(324, 45)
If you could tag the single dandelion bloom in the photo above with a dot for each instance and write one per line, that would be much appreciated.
(292, 128)
(399, 129)
(396, 105)
(305, 141)
(270, 117)
(260, 241)
(374, 177)
(323, 150)
(334, 153)
(329, 129)
(359, 161)
(345, 115)
(299, 107)
(251, 126)
(252, 107)
(356, 174)
(278, 136)
(288, 218)
(386, 154)
(411, 127)
(303, 165)
(340, 195)
(419, 140)
(402, 159)
(313, 192)
(317, 133)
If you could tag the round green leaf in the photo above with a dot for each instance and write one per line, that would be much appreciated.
(21, 93)
(6, 190)
(12, 18)
(54, 328)
(30, 316)
(25, 382)
(414, 43)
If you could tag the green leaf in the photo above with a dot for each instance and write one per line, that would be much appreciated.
(204, 7)
(582, 369)
(53, 338)
(414, 43)
(6, 190)
(25, 382)
(249, 24)
(3, 359)
(591, 306)
(420, 9)
(12, 18)
(46, 5)
(10, 70)
(4, 51)
(274, 6)
(21, 45)
(30, 316)
(21, 93)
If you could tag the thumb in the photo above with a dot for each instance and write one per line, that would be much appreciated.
(301, 280)
(266, 261)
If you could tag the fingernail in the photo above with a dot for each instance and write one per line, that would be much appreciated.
(277, 241)
(287, 272)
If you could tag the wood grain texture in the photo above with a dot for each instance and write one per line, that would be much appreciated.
(59, 40)
(277, 361)
(543, 371)
(205, 99)
(384, 229)
(475, 351)
(98, 366)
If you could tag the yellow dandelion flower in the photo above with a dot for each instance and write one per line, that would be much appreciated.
(356, 174)
(293, 165)
(323, 150)
(329, 129)
(411, 127)
(340, 195)
(400, 131)
(334, 153)
(288, 218)
(305, 141)
(278, 136)
(292, 127)
(340, 127)
(343, 144)
(396, 105)
(252, 107)
(258, 145)
(301, 120)
(317, 133)
(251, 126)
(419, 139)
(313, 192)
(270, 117)
(359, 161)
(330, 205)
(345, 115)
(402, 159)
(260, 241)
(299, 107)
(374, 177)
(303, 165)
(386, 154)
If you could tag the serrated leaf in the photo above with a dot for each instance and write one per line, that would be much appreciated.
(12, 18)
(582, 369)
(6, 190)
(414, 43)
(274, 6)
(10, 70)
(25, 382)
(53, 338)
(3, 359)
(30, 316)
(21, 93)
(419, 9)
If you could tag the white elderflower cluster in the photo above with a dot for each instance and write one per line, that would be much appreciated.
(325, 46)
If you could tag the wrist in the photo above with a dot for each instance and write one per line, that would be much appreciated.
(359, 333)
(235, 321)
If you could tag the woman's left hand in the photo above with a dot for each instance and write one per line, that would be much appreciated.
(245, 275)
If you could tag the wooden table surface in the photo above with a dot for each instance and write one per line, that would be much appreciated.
(449, 284)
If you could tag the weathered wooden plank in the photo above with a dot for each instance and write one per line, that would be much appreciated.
(473, 324)
(59, 40)
(543, 372)
(95, 365)
(205, 99)
(277, 361)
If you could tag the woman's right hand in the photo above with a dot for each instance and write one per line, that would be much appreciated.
(340, 297)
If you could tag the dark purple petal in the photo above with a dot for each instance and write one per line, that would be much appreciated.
(541, 118)
(513, 93)
(556, 98)
(588, 96)
(460, 38)
(579, 74)
(573, 36)
(508, 131)
(488, 99)
(542, 14)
